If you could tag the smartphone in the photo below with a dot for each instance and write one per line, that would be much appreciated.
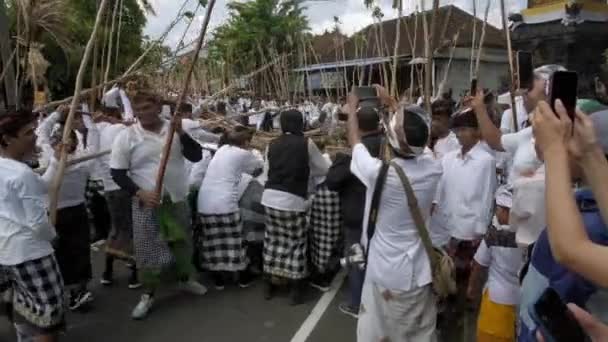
(367, 96)
(554, 319)
(563, 86)
(473, 87)
(525, 70)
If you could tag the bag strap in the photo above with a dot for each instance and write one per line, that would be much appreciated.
(375, 205)
(412, 203)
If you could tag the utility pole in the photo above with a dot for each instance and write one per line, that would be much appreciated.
(7, 63)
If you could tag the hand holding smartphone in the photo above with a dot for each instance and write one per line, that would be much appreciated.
(525, 70)
(368, 96)
(554, 319)
(563, 86)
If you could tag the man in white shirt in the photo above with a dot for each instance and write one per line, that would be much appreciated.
(161, 231)
(27, 260)
(445, 140)
(464, 201)
(119, 243)
(397, 302)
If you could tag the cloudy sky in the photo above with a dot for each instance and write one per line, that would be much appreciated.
(352, 13)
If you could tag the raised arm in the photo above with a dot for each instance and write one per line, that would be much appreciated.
(570, 243)
(489, 132)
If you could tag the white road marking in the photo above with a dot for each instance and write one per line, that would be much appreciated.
(317, 312)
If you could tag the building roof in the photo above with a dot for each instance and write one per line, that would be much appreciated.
(450, 19)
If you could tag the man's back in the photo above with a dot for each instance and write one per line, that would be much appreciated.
(397, 259)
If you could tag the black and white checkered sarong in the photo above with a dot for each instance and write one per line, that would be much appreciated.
(222, 243)
(325, 223)
(285, 244)
(38, 294)
(151, 250)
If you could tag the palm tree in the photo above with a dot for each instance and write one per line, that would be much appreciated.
(36, 20)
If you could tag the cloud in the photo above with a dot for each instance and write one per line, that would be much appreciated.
(352, 13)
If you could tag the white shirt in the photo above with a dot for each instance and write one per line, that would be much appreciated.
(520, 147)
(466, 195)
(111, 98)
(504, 263)
(198, 133)
(281, 200)
(26, 232)
(139, 151)
(397, 259)
(527, 217)
(446, 145)
(73, 186)
(198, 170)
(219, 193)
(506, 121)
(107, 134)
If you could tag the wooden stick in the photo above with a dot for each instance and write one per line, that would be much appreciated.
(169, 141)
(7, 66)
(511, 67)
(160, 40)
(251, 74)
(80, 160)
(473, 39)
(83, 92)
(56, 185)
(110, 45)
(482, 39)
(393, 88)
(447, 68)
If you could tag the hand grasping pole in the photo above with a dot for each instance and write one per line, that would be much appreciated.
(169, 141)
(56, 185)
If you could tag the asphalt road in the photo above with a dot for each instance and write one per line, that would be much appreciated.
(230, 315)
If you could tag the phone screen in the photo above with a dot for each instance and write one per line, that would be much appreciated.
(525, 69)
(367, 96)
(564, 85)
(556, 319)
(473, 87)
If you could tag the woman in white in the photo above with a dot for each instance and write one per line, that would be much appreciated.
(222, 243)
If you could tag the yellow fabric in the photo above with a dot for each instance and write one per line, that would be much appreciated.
(496, 322)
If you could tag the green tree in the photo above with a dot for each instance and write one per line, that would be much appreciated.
(256, 32)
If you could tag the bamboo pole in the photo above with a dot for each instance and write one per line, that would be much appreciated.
(110, 45)
(482, 39)
(427, 55)
(511, 66)
(167, 148)
(159, 41)
(413, 67)
(56, 185)
(104, 47)
(393, 89)
(447, 68)
(118, 36)
(7, 65)
(251, 74)
(473, 40)
(83, 92)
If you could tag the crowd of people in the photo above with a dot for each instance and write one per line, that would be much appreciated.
(438, 217)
